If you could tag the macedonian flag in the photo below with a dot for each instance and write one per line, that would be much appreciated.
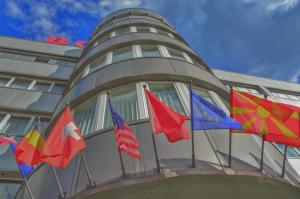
(29, 149)
(261, 116)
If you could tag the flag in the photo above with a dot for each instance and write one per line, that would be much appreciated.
(208, 116)
(125, 139)
(261, 116)
(63, 142)
(23, 167)
(165, 120)
(29, 149)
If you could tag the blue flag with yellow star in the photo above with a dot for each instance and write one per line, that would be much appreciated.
(208, 116)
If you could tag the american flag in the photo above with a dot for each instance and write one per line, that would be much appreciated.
(126, 140)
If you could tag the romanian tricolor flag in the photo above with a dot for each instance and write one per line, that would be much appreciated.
(265, 117)
(29, 149)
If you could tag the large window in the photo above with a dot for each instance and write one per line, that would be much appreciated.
(4, 81)
(20, 83)
(41, 86)
(98, 63)
(104, 38)
(58, 89)
(176, 54)
(162, 32)
(122, 54)
(84, 115)
(167, 94)
(125, 102)
(142, 29)
(123, 30)
(15, 125)
(150, 51)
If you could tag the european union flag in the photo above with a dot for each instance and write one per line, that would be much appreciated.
(208, 116)
(23, 167)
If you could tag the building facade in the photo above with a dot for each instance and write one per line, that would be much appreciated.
(128, 49)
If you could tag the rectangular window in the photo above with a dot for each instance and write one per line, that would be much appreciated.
(3, 81)
(41, 86)
(150, 51)
(142, 29)
(20, 83)
(122, 54)
(123, 30)
(84, 116)
(58, 89)
(124, 101)
(176, 54)
(168, 95)
(1, 116)
(162, 32)
(15, 126)
(104, 38)
(98, 63)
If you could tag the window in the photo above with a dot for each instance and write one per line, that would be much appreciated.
(247, 90)
(124, 101)
(162, 32)
(20, 83)
(62, 62)
(15, 126)
(291, 152)
(1, 116)
(150, 51)
(4, 81)
(122, 54)
(104, 38)
(167, 94)
(142, 29)
(203, 93)
(41, 86)
(58, 89)
(123, 30)
(176, 54)
(84, 115)
(98, 63)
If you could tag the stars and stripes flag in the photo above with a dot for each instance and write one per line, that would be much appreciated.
(125, 138)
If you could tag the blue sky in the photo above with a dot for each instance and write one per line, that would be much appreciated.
(258, 37)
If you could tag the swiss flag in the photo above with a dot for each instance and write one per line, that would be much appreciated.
(63, 142)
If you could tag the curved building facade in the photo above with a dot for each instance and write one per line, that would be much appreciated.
(128, 49)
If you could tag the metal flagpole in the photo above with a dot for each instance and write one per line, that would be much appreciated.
(153, 138)
(230, 143)
(192, 126)
(28, 188)
(58, 183)
(87, 169)
(261, 167)
(119, 151)
(284, 159)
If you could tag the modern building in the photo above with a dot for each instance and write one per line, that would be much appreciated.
(128, 49)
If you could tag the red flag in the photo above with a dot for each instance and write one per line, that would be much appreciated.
(63, 142)
(165, 120)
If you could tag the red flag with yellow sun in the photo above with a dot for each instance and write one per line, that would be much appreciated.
(265, 117)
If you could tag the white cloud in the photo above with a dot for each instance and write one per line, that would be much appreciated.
(296, 77)
(274, 5)
(14, 9)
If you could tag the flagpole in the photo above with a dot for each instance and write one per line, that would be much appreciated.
(284, 159)
(87, 169)
(230, 142)
(261, 167)
(192, 126)
(119, 151)
(28, 187)
(153, 138)
(58, 183)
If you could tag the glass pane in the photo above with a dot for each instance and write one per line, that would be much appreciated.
(162, 32)
(20, 83)
(122, 31)
(176, 54)
(15, 126)
(98, 63)
(125, 102)
(40, 86)
(150, 51)
(3, 81)
(203, 93)
(291, 152)
(8, 190)
(1, 117)
(168, 95)
(58, 88)
(84, 115)
(122, 54)
(104, 38)
(142, 29)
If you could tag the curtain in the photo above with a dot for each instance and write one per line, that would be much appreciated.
(125, 102)
(167, 94)
(84, 116)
